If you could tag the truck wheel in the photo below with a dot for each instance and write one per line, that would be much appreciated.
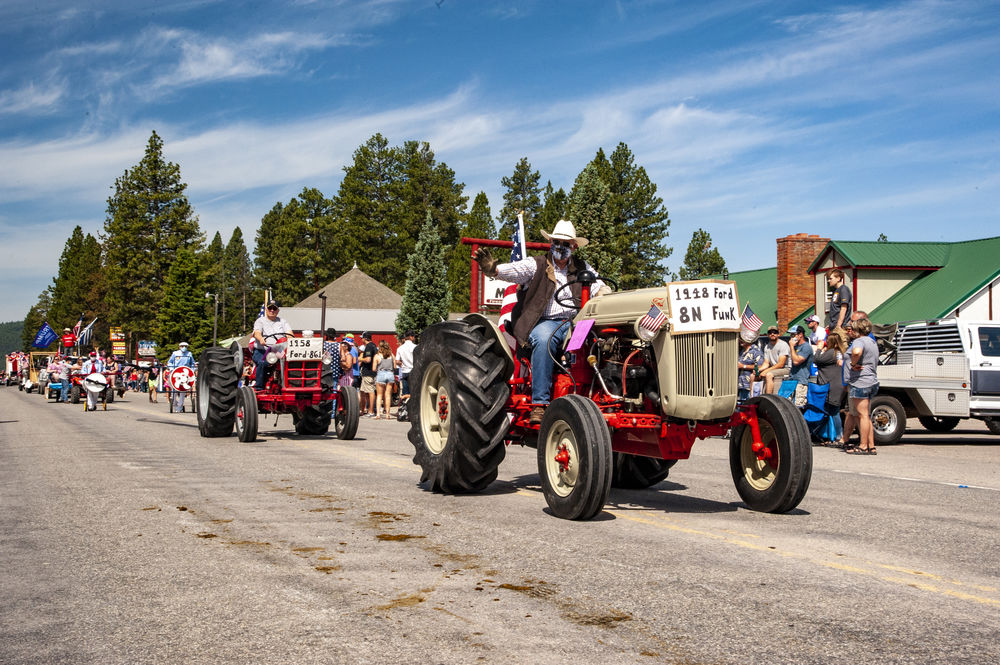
(246, 414)
(457, 417)
(74, 394)
(315, 420)
(635, 472)
(574, 458)
(347, 415)
(936, 424)
(217, 386)
(777, 483)
(992, 424)
(888, 419)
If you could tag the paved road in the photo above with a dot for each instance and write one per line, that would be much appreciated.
(126, 538)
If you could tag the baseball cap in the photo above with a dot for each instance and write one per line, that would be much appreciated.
(772, 329)
(797, 329)
(273, 303)
(183, 344)
(813, 319)
(366, 335)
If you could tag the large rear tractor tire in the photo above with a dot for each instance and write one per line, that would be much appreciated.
(315, 420)
(888, 419)
(74, 394)
(457, 416)
(217, 387)
(574, 458)
(347, 415)
(937, 424)
(246, 414)
(634, 472)
(779, 482)
(109, 395)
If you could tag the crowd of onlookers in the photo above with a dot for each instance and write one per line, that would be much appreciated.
(381, 376)
(843, 355)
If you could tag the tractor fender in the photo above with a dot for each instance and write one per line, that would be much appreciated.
(479, 318)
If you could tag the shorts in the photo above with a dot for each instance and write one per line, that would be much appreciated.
(384, 376)
(801, 395)
(779, 373)
(858, 394)
(367, 384)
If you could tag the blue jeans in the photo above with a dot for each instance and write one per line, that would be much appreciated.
(546, 336)
(263, 369)
(64, 391)
(404, 383)
(833, 411)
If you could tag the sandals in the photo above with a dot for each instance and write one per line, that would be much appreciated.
(857, 450)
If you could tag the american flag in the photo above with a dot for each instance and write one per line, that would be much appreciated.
(654, 319)
(76, 328)
(517, 253)
(750, 320)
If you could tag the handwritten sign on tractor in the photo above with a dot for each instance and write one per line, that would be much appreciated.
(703, 306)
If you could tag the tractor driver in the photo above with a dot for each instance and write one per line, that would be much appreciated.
(268, 326)
(537, 317)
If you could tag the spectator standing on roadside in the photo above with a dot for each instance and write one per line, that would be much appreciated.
(385, 366)
(151, 380)
(368, 372)
(776, 353)
(829, 364)
(801, 357)
(404, 358)
(356, 354)
(861, 360)
(839, 311)
(332, 346)
(64, 370)
(346, 364)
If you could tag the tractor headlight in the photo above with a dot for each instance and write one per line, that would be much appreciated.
(645, 334)
(271, 357)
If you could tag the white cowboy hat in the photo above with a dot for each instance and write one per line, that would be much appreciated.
(565, 231)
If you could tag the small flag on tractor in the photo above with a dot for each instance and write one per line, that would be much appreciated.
(750, 320)
(654, 319)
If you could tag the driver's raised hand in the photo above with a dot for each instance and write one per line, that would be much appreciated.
(487, 262)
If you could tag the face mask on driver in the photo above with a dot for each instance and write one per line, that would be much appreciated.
(561, 252)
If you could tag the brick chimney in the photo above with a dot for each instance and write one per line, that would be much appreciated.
(796, 287)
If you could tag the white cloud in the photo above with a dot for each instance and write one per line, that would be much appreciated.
(32, 98)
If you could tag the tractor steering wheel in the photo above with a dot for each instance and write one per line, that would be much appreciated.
(586, 278)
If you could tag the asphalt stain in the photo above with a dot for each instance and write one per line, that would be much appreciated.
(207, 535)
(308, 549)
(402, 601)
(327, 569)
(606, 620)
(396, 536)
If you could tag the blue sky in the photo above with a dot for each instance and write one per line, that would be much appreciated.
(754, 119)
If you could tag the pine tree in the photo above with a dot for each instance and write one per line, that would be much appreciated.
(366, 205)
(701, 258)
(181, 316)
(427, 296)
(554, 208)
(149, 220)
(237, 306)
(588, 207)
(478, 224)
(522, 193)
(33, 320)
(640, 216)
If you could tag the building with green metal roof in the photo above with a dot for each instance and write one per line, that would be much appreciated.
(892, 281)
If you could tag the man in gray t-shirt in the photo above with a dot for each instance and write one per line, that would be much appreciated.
(776, 353)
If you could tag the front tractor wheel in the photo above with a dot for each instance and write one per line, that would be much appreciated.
(347, 414)
(246, 414)
(315, 420)
(574, 458)
(457, 416)
(217, 387)
(773, 479)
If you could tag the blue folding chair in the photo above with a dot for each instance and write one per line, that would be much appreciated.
(787, 389)
(815, 411)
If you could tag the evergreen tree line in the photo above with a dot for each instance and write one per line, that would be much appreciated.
(398, 213)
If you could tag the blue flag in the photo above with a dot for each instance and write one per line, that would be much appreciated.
(45, 336)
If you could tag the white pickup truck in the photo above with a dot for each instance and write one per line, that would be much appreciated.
(941, 372)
